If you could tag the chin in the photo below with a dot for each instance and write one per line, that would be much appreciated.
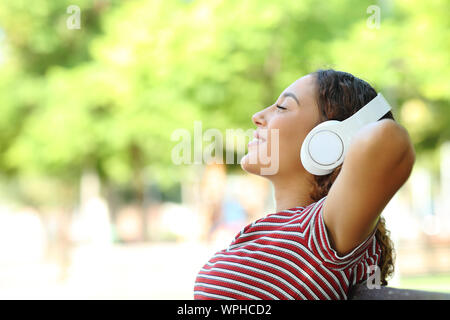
(258, 168)
(249, 167)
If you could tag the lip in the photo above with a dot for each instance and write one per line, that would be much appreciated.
(254, 142)
(257, 140)
(258, 136)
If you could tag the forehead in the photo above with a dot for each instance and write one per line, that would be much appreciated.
(303, 87)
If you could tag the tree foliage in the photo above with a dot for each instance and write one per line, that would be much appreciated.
(109, 95)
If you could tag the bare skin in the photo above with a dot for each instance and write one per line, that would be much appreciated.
(292, 183)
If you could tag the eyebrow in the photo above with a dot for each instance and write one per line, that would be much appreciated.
(290, 94)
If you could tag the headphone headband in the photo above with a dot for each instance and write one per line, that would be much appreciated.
(372, 111)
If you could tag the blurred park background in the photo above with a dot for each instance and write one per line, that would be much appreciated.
(92, 205)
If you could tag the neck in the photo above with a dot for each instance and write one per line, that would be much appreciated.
(293, 191)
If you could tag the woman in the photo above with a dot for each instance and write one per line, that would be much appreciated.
(327, 233)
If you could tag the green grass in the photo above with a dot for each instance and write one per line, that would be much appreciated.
(438, 283)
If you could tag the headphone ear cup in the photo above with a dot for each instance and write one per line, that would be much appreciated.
(323, 148)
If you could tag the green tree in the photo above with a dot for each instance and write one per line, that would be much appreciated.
(109, 96)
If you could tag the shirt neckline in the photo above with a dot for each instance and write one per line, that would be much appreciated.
(292, 209)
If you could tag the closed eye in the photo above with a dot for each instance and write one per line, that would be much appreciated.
(280, 107)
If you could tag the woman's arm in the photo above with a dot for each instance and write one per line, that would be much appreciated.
(379, 161)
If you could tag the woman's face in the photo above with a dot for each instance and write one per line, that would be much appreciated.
(297, 116)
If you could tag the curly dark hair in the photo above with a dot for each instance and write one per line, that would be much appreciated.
(339, 96)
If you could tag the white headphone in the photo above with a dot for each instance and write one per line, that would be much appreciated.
(326, 145)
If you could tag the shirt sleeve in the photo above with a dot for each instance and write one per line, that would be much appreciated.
(319, 243)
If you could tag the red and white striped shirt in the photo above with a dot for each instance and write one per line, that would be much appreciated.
(285, 255)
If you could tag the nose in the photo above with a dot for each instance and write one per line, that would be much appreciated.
(258, 118)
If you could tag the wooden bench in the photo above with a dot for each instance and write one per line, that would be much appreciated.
(361, 292)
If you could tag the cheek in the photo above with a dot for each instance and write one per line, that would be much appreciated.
(290, 138)
(290, 135)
